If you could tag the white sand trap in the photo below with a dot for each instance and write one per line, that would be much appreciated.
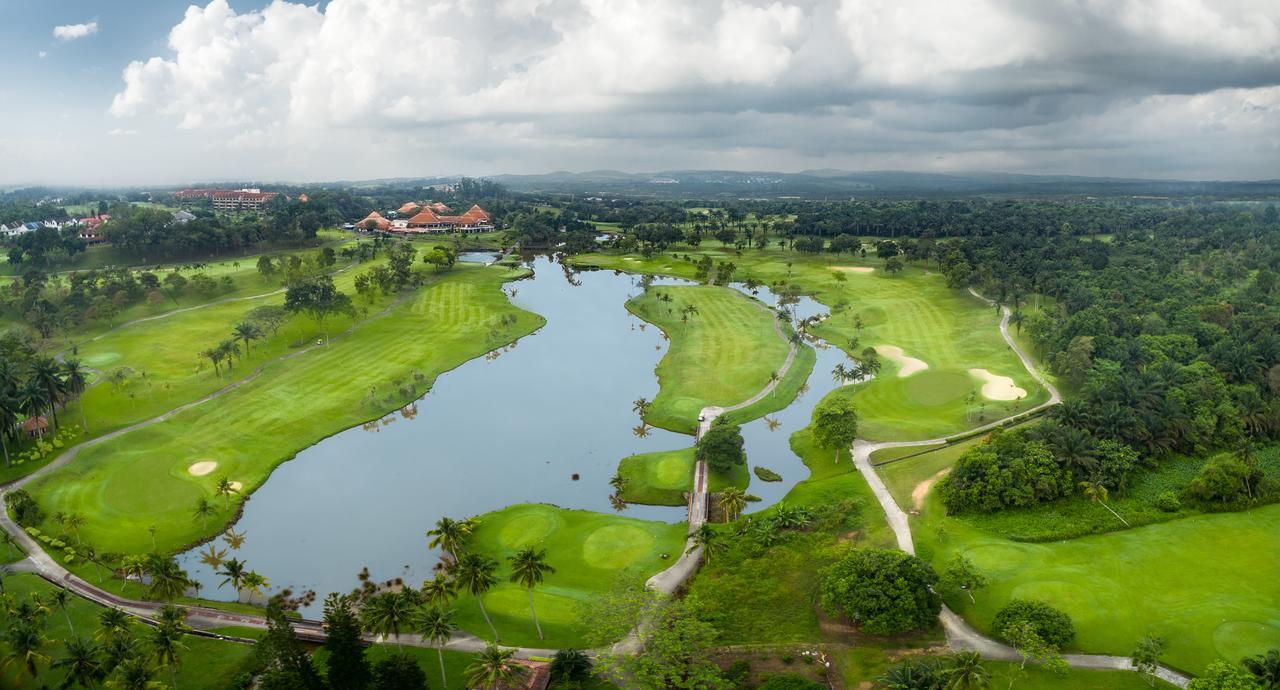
(202, 468)
(906, 365)
(237, 487)
(997, 387)
(856, 269)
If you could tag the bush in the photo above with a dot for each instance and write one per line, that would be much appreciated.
(1007, 471)
(26, 512)
(398, 672)
(1225, 482)
(885, 591)
(1168, 502)
(1052, 625)
(739, 674)
(790, 681)
(721, 447)
(766, 475)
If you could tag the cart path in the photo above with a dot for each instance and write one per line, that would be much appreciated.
(960, 635)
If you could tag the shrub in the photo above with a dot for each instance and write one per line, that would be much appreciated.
(885, 591)
(739, 674)
(766, 475)
(721, 447)
(1168, 502)
(1225, 482)
(1008, 471)
(398, 672)
(790, 681)
(26, 512)
(1052, 625)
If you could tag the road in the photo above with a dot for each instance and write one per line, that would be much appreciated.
(960, 635)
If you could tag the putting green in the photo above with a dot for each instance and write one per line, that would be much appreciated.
(934, 387)
(589, 552)
(661, 478)
(722, 355)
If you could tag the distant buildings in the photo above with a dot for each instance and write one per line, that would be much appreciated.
(427, 218)
(228, 199)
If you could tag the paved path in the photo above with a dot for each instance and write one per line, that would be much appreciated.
(960, 635)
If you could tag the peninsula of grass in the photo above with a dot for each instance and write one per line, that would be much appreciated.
(947, 329)
(590, 552)
(724, 350)
(663, 477)
(127, 484)
(203, 662)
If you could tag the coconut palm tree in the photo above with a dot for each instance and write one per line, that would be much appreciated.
(438, 591)
(73, 522)
(9, 411)
(135, 567)
(494, 668)
(1095, 491)
(1266, 668)
(964, 671)
(168, 580)
(26, 643)
(111, 623)
(1074, 449)
(133, 673)
(246, 332)
(82, 665)
(214, 355)
(46, 372)
(60, 598)
(386, 614)
(450, 535)
(32, 398)
(166, 648)
(476, 575)
(528, 568)
(436, 626)
(255, 583)
(203, 510)
(119, 649)
(709, 539)
(232, 572)
(226, 488)
(733, 501)
(76, 382)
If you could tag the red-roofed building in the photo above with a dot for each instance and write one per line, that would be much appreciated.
(538, 677)
(373, 221)
(35, 426)
(408, 209)
(428, 221)
(439, 207)
(228, 199)
(90, 229)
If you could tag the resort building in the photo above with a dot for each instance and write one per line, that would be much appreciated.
(373, 222)
(428, 220)
(229, 199)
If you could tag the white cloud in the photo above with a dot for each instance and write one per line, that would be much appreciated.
(42, 54)
(624, 83)
(118, 132)
(70, 32)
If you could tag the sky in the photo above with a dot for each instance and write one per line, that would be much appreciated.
(170, 92)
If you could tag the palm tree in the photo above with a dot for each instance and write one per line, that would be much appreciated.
(203, 510)
(134, 566)
(233, 572)
(438, 591)
(709, 539)
(255, 583)
(1074, 449)
(213, 557)
(1266, 668)
(1095, 491)
(111, 623)
(166, 648)
(82, 665)
(133, 673)
(640, 405)
(214, 355)
(493, 668)
(60, 598)
(528, 568)
(450, 535)
(46, 372)
(73, 376)
(965, 672)
(73, 522)
(436, 626)
(233, 538)
(246, 331)
(25, 641)
(226, 488)
(32, 398)
(386, 613)
(476, 575)
(228, 349)
(168, 580)
(173, 615)
(841, 374)
(9, 411)
(733, 501)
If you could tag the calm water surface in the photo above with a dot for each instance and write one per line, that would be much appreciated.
(498, 430)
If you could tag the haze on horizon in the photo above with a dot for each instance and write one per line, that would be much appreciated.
(159, 91)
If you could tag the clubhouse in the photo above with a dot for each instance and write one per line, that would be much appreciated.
(427, 219)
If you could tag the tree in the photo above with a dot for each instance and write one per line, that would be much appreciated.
(964, 671)
(226, 488)
(1097, 493)
(835, 423)
(166, 648)
(282, 652)
(450, 535)
(1146, 657)
(168, 580)
(76, 381)
(733, 500)
(317, 297)
(1032, 647)
(476, 575)
(528, 568)
(885, 591)
(345, 662)
(893, 266)
(962, 575)
(1051, 625)
(73, 522)
(398, 672)
(494, 668)
(232, 573)
(438, 591)
(570, 665)
(386, 614)
(60, 598)
(246, 332)
(26, 642)
(1223, 675)
(721, 447)
(46, 373)
(709, 540)
(133, 673)
(202, 511)
(82, 664)
(1265, 667)
(437, 626)
(255, 583)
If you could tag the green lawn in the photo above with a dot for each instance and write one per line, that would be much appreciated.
(948, 329)
(142, 478)
(589, 552)
(722, 356)
(864, 664)
(206, 663)
(662, 477)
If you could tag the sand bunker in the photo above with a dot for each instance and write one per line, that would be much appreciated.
(997, 387)
(202, 468)
(906, 365)
(856, 269)
(237, 487)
